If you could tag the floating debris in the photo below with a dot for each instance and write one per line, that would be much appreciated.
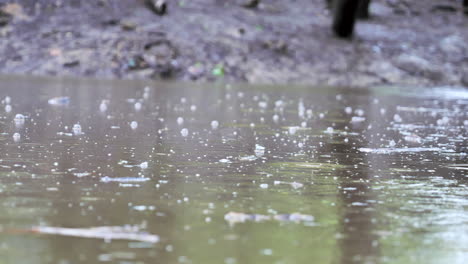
(295, 185)
(59, 101)
(124, 179)
(81, 174)
(458, 166)
(413, 138)
(398, 150)
(236, 217)
(137, 106)
(102, 232)
(248, 158)
(357, 119)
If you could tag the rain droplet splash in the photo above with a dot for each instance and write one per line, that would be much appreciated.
(77, 129)
(184, 132)
(214, 124)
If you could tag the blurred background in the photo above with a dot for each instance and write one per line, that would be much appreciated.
(268, 41)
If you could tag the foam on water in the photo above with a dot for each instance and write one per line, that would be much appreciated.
(400, 150)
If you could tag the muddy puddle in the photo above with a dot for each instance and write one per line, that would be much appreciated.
(135, 172)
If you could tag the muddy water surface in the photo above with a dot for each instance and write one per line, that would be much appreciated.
(133, 172)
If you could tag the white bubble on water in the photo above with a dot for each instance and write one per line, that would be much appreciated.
(134, 124)
(59, 101)
(382, 111)
(184, 132)
(267, 252)
(252, 125)
(443, 121)
(304, 124)
(103, 106)
(8, 108)
(137, 106)
(292, 130)
(348, 110)
(275, 118)
(7, 99)
(193, 108)
(301, 109)
(19, 120)
(259, 150)
(214, 124)
(329, 130)
(183, 100)
(392, 143)
(279, 104)
(413, 138)
(359, 112)
(397, 118)
(76, 129)
(321, 115)
(144, 165)
(16, 137)
(180, 121)
(263, 104)
(264, 185)
(309, 113)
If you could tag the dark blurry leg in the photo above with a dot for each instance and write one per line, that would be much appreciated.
(363, 9)
(344, 17)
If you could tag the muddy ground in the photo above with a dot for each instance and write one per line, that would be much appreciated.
(405, 42)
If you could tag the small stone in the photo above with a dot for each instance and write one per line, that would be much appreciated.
(250, 3)
(128, 25)
(72, 63)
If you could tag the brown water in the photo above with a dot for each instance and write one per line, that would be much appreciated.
(231, 174)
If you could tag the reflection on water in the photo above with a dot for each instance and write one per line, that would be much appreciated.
(230, 174)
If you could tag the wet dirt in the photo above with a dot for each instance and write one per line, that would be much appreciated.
(405, 42)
